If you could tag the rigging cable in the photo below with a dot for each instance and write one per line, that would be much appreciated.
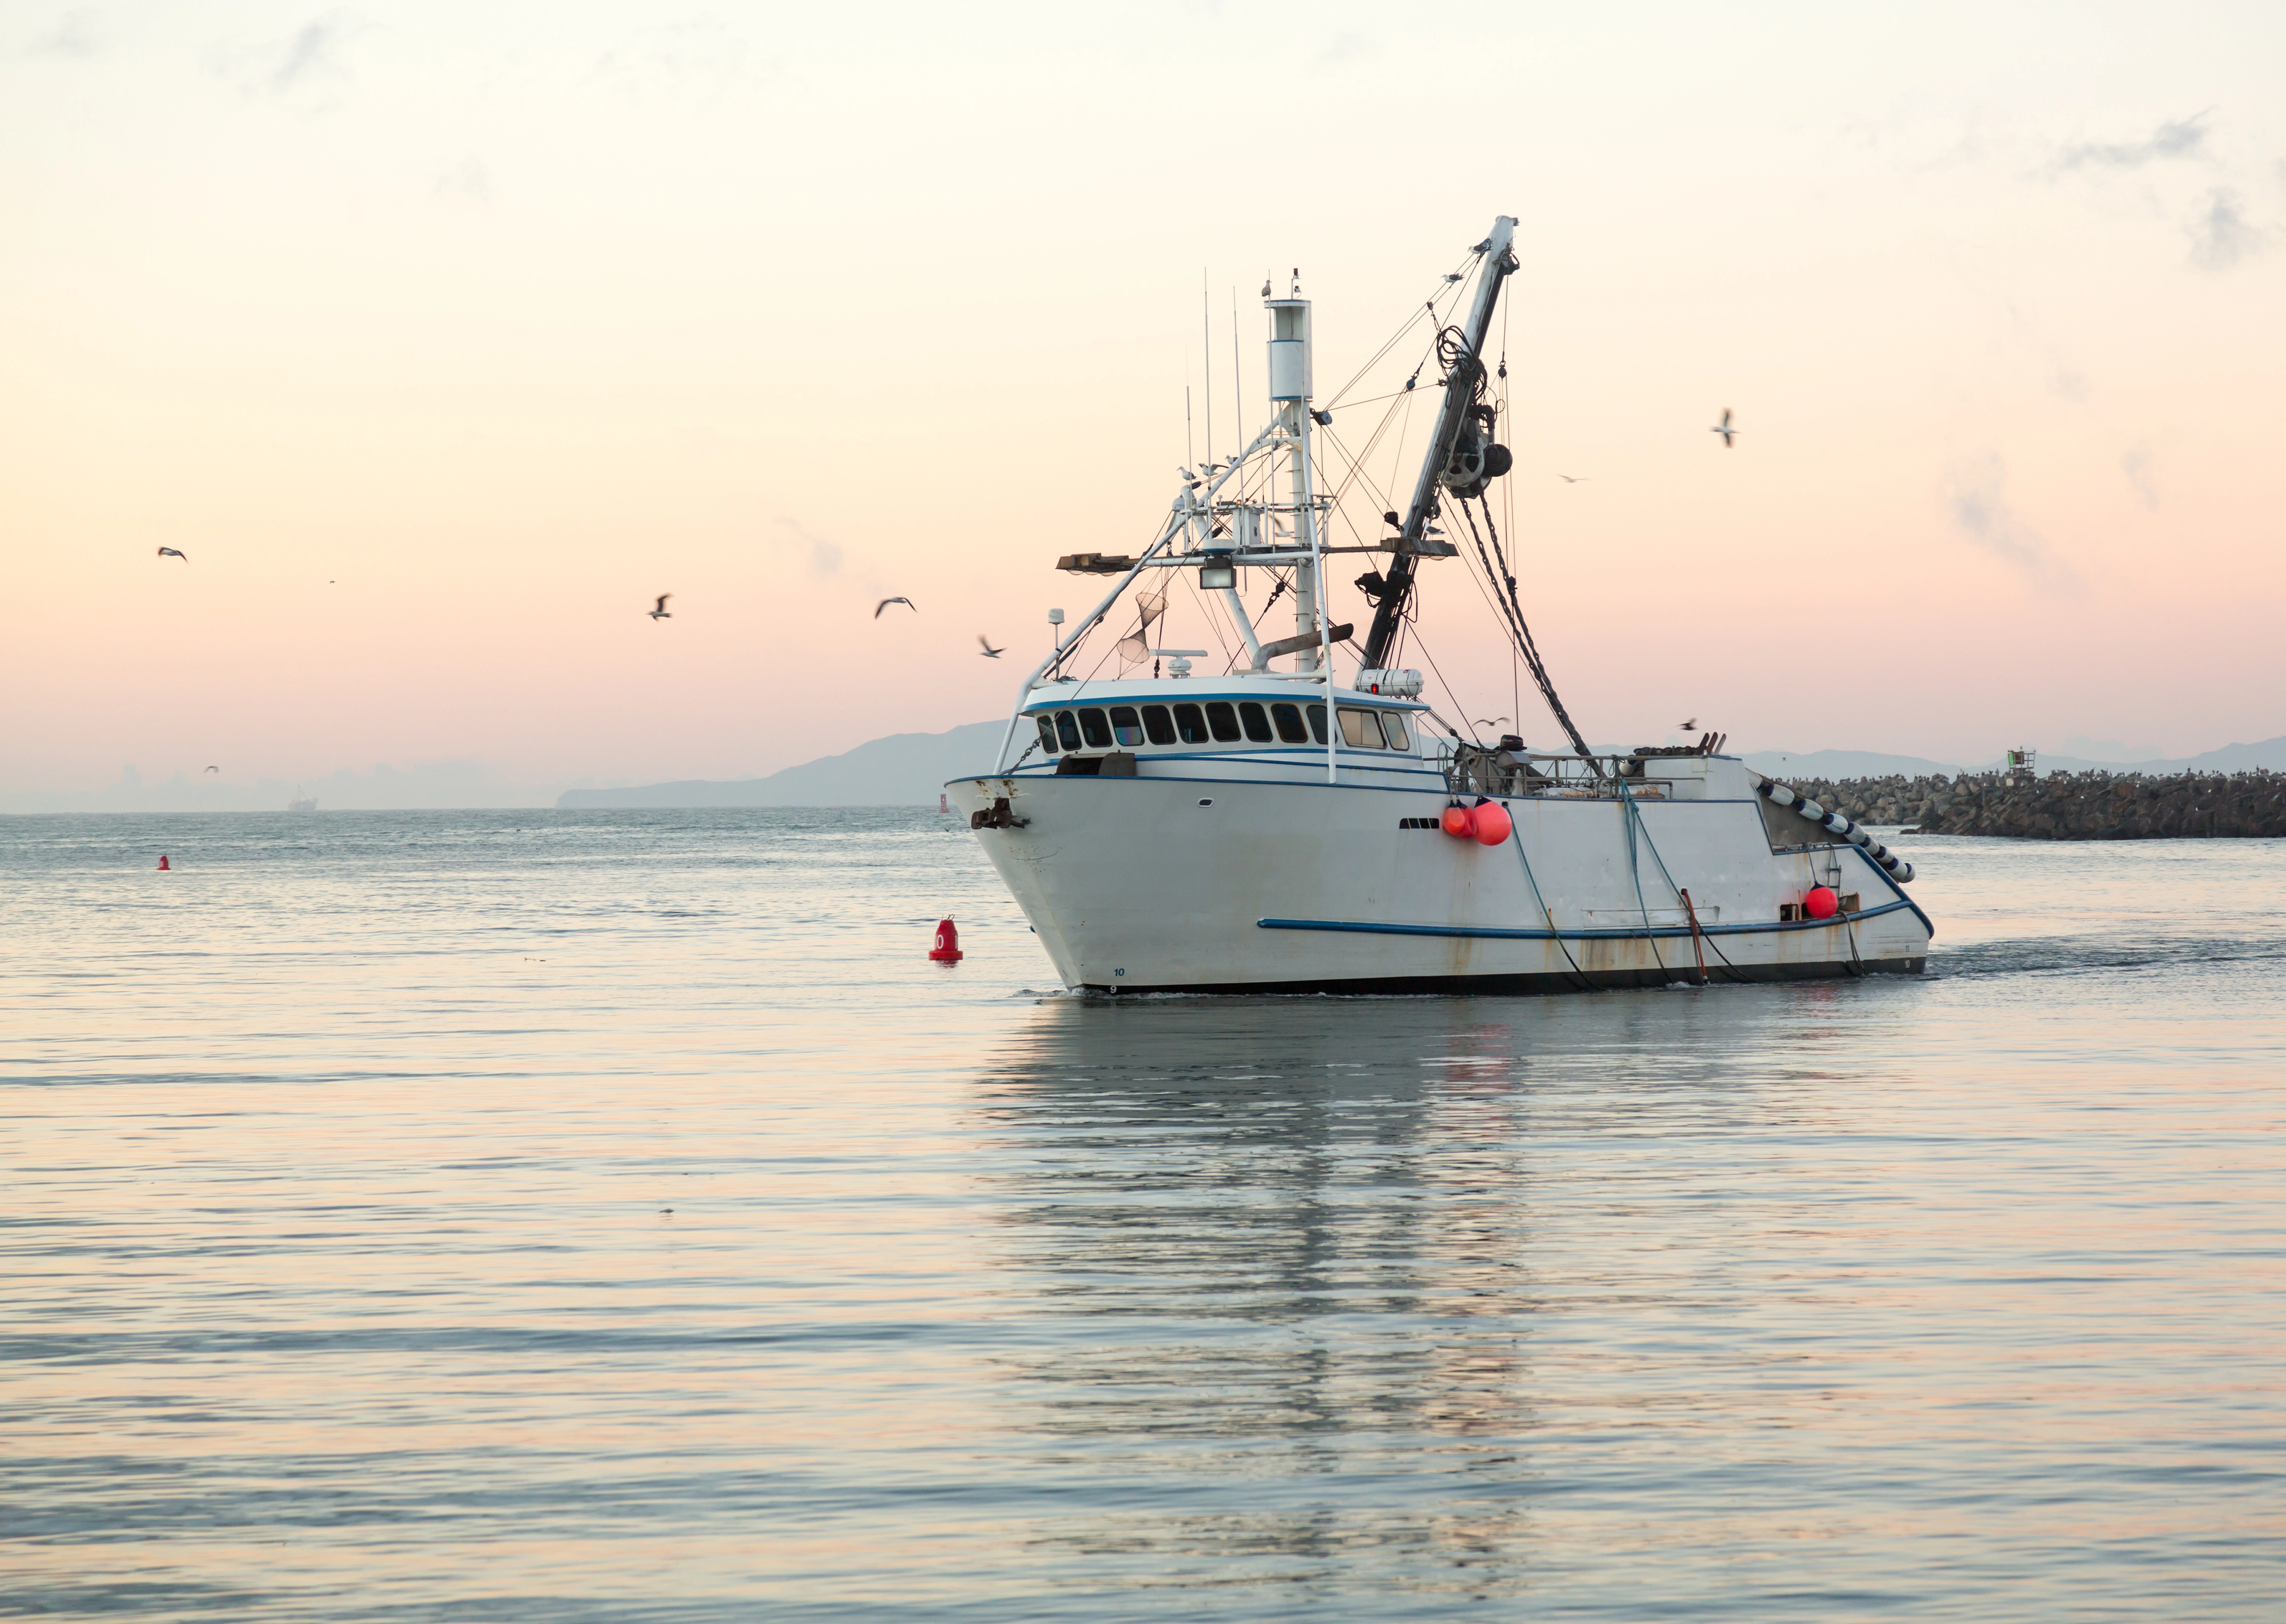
(1737, 974)
(1513, 613)
(1517, 835)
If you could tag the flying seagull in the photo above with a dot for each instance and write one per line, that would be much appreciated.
(1490, 721)
(1724, 430)
(663, 612)
(990, 651)
(214, 769)
(1688, 725)
(169, 552)
(885, 603)
(1567, 478)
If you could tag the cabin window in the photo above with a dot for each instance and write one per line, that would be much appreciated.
(1191, 724)
(1393, 725)
(1067, 729)
(1359, 730)
(1222, 720)
(1318, 723)
(1126, 727)
(1288, 718)
(1047, 732)
(1094, 729)
(1258, 725)
(1157, 725)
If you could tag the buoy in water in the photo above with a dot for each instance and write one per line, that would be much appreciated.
(1493, 824)
(1459, 822)
(946, 948)
(162, 861)
(1819, 903)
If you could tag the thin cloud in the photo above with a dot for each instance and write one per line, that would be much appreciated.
(2135, 463)
(468, 185)
(825, 556)
(308, 68)
(1975, 497)
(2177, 139)
(78, 33)
(2220, 234)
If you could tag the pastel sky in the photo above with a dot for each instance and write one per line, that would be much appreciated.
(443, 338)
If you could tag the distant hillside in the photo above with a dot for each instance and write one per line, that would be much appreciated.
(1831, 765)
(904, 770)
(1787, 765)
(907, 769)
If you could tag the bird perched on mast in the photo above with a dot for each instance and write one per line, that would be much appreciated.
(662, 612)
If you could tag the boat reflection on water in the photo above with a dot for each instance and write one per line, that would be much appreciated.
(1299, 1255)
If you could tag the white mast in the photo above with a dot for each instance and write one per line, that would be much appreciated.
(1289, 391)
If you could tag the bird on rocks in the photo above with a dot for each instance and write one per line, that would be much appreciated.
(1724, 429)
(885, 603)
(990, 651)
(662, 612)
(170, 552)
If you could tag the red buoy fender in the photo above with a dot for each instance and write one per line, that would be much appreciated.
(946, 949)
(1493, 824)
(1459, 822)
(162, 863)
(1819, 903)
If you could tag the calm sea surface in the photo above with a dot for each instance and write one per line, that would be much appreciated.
(467, 1215)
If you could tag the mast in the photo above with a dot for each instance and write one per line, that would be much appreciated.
(1455, 430)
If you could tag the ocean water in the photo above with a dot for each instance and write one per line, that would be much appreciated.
(613, 1215)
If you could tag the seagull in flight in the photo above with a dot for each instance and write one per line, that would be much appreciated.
(1690, 724)
(1567, 478)
(214, 769)
(663, 612)
(990, 651)
(169, 552)
(1725, 430)
(1490, 721)
(885, 603)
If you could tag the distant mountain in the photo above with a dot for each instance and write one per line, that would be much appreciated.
(904, 770)
(1829, 764)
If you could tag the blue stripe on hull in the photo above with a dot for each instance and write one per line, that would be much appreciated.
(1622, 934)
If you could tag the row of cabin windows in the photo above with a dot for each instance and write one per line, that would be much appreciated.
(1220, 721)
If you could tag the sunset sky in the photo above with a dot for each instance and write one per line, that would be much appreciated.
(444, 338)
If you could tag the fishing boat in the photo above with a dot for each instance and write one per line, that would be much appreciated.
(1170, 820)
(299, 802)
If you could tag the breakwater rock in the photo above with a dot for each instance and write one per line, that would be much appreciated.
(2090, 806)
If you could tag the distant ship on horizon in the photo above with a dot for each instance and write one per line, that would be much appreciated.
(301, 802)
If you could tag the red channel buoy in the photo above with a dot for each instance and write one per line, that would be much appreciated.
(1493, 824)
(947, 949)
(1459, 822)
(162, 861)
(1819, 903)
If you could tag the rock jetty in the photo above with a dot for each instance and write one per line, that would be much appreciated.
(2090, 806)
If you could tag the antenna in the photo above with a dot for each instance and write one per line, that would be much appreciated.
(1237, 384)
(1189, 461)
(1206, 349)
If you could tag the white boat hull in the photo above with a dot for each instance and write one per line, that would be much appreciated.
(1211, 883)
